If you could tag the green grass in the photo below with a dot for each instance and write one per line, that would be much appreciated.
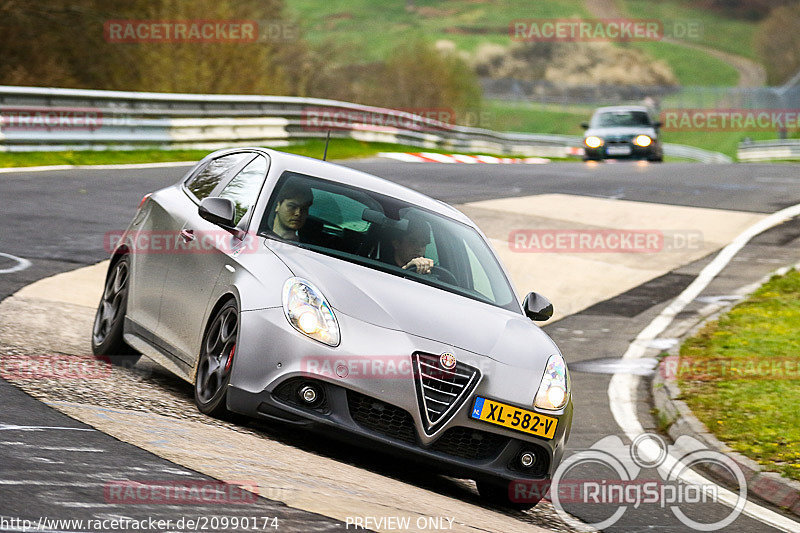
(535, 118)
(338, 149)
(369, 30)
(745, 386)
(691, 67)
(373, 29)
(716, 31)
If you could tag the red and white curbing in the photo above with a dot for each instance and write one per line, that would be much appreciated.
(430, 157)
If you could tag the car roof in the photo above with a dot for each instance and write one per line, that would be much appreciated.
(356, 178)
(611, 109)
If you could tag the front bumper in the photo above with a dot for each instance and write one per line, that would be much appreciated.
(383, 411)
(635, 152)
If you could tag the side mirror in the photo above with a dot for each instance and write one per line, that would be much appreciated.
(537, 307)
(219, 211)
(657, 124)
(585, 125)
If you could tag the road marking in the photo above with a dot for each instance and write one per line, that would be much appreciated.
(430, 157)
(622, 388)
(7, 427)
(22, 264)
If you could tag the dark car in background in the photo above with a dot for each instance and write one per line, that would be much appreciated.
(622, 132)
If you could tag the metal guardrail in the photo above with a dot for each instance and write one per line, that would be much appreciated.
(121, 120)
(778, 150)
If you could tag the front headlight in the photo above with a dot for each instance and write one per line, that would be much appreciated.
(553, 392)
(307, 310)
(642, 140)
(593, 141)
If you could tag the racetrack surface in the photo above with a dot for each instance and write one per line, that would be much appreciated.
(57, 221)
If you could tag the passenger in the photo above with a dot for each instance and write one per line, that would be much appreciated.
(291, 212)
(409, 246)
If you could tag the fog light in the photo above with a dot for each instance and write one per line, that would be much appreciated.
(308, 394)
(527, 459)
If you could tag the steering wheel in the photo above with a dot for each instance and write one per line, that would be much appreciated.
(444, 275)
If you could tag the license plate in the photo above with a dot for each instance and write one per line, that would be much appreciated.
(513, 417)
(618, 150)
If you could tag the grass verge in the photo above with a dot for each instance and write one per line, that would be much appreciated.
(338, 149)
(740, 376)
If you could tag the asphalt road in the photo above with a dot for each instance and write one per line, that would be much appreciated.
(57, 221)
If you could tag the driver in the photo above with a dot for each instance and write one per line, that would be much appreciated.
(291, 212)
(409, 246)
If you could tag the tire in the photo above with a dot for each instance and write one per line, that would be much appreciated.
(496, 492)
(107, 341)
(216, 361)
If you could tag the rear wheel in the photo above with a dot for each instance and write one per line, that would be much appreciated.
(497, 492)
(107, 341)
(216, 360)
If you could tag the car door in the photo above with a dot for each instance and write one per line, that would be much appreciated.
(192, 275)
(156, 229)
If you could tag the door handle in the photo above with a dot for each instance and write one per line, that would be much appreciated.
(187, 235)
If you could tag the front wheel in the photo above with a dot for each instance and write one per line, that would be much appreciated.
(107, 341)
(215, 362)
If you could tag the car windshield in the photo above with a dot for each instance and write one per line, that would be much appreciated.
(620, 118)
(386, 234)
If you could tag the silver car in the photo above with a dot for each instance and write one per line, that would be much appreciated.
(295, 290)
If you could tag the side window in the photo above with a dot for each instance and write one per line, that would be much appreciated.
(244, 188)
(338, 210)
(204, 182)
(480, 280)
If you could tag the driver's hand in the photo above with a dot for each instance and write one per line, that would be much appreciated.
(422, 264)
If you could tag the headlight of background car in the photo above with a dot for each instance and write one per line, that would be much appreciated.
(593, 141)
(554, 390)
(307, 310)
(642, 140)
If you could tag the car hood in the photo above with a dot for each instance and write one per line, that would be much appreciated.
(401, 304)
(621, 131)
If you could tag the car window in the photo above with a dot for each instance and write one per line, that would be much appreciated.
(243, 189)
(207, 179)
(339, 210)
(480, 279)
(386, 234)
(621, 118)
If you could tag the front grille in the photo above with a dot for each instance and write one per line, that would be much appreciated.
(441, 391)
(470, 443)
(381, 417)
